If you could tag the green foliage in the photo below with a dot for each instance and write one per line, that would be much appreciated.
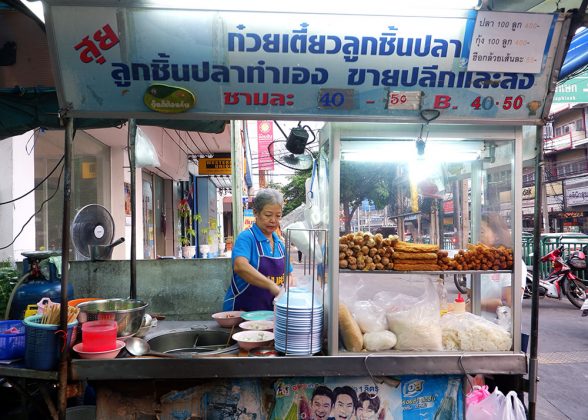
(364, 180)
(185, 214)
(8, 278)
(294, 191)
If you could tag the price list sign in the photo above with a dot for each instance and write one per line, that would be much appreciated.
(509, 42)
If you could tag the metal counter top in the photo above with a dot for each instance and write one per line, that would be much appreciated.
(390, 363)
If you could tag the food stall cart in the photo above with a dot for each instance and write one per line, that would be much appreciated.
(407, 76)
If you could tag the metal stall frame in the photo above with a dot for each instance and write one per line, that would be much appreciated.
(381, 364)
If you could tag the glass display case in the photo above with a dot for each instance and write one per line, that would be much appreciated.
(414, 209)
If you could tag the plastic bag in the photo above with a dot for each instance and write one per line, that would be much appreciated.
(379, 340)
(369, 316)
(512, 408)
(469, 332)
(145, 153)
(300, 237)
(417, 327)
(488, 409)
(477, 395)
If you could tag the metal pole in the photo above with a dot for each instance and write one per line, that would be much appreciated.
(237, 177)
(533, 363)
(65, 237)
(131, 147)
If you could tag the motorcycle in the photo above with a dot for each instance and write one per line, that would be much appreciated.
(561, 279)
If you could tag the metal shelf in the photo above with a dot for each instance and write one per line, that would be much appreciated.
(349, 364)
(19, 371)
(449, 272)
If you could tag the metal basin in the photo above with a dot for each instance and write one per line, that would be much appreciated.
(191, 342)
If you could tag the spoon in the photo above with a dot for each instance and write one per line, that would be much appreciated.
(139, 347)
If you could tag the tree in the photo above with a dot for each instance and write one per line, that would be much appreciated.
(295, 191)
(364, 180)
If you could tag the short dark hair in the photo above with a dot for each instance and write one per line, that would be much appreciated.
(374, 400)
(346, 390)
(323, 390)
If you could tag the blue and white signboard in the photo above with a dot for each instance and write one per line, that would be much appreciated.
(139, 62)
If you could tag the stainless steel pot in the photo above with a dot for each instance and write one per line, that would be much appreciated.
(128, 313)
(103, 252)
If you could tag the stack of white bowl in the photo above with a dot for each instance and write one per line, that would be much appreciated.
(299, 323)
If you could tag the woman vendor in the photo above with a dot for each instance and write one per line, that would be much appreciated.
(259, 258)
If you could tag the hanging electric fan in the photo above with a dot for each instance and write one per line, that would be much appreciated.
(292, 152)
(91, 226)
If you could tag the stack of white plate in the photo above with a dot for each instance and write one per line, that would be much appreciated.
(299, 323)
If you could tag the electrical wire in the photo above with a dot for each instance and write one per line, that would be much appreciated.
(200, 151)
(177, 144)
(185, 143)
(203, 142)
(38, 211)
(36, 186)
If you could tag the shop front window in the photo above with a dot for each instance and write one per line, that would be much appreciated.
(90, 183)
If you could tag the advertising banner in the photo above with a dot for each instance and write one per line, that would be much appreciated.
(265, 135)
(405, 397)
(144, 61)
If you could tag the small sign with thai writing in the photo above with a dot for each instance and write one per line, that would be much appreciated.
(214, 166)
(168, 99)
(404, 100)
(509, 42)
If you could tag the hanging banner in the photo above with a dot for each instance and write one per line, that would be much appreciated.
(238, 64)
(265, 135)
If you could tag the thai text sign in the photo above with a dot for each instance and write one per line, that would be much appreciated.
(252, 64)
(576, 191)
(510, 42)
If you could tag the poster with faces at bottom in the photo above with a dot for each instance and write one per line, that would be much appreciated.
(352, 398)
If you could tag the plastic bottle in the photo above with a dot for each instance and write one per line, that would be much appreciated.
(442, 293)
(459, 304)
(448, 408)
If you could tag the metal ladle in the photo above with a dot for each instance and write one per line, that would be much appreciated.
(139, 347)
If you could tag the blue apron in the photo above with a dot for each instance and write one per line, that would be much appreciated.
(253, 298)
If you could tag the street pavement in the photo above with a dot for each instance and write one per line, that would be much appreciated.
(563, 359)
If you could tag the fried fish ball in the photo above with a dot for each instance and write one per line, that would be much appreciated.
(343, 263)
(353, 266)
(379, 266)
(349, 253)
(373, 252)
(352, 260)
(342, 255)
(385, 260)
(377, 258)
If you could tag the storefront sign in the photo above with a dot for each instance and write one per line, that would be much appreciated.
(576, 191)
(577, 196)
(574, 90)
(509, 42)
(296, 65)
(554, 205)
(448, 207)
(214, 166)
(248, 218)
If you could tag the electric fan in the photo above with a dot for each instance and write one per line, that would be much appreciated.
(92, 225)
(292, 152)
